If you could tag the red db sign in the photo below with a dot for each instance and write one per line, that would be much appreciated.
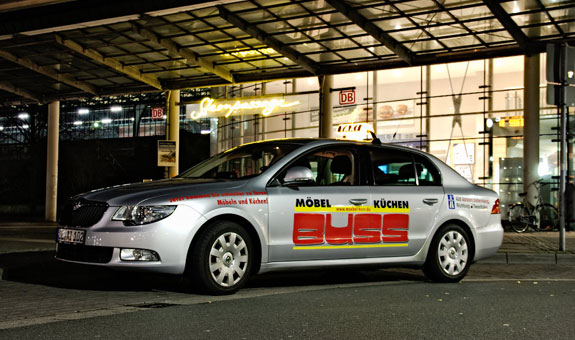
(157, 113)
(346, 97)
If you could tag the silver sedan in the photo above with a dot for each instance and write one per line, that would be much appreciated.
(288, 204)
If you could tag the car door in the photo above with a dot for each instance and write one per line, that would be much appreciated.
(407, 191)
(315, 221)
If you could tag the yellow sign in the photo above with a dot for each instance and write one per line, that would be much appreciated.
(355, 131)
(209, 107)
(515, 121)
(251, 53)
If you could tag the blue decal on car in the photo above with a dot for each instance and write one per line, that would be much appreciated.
(450, 201)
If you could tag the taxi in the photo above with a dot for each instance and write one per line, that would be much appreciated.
(288, 204)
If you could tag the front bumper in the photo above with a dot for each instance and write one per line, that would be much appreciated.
(170, 238)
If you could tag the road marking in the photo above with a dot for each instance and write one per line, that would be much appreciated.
(31, 240)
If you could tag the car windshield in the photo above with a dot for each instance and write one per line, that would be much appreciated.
(241, 162)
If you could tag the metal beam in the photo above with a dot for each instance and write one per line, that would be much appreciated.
(515, 31)
(377, 33)
(9, 87)
(49, 72)
(191, 57)
(288, 52)
(130, 71)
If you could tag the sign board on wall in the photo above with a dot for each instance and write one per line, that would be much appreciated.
(157, 113)
(464, 153)
(346, 97)
(167, 151)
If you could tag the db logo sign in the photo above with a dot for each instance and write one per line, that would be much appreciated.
(157, 113)
(346, 97)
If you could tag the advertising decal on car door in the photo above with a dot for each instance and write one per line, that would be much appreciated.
(383, 224)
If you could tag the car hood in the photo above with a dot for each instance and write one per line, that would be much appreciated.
(158, 192)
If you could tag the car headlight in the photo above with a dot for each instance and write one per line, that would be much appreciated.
(138, 215)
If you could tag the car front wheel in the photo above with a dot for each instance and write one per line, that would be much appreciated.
(449, 255)
(221, 258)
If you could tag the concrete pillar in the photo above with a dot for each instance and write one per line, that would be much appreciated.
(531, 126)
(173, 132)
(51, 206)
(325, 107)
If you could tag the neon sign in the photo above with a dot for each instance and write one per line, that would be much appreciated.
(209, 107)
(251, 53)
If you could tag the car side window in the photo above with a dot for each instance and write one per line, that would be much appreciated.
(392, 168)
(333, 166)
(389, 167)
(427, 173)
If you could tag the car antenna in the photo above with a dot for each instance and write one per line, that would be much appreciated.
(375, 140)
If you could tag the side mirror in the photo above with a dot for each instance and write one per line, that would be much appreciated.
(298, 175)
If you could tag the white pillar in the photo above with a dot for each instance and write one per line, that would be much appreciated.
(51, 206)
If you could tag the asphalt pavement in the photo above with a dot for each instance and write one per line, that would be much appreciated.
(36, 289)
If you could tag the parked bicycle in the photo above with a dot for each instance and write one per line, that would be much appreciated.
(539, 217)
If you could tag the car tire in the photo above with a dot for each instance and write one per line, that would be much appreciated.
(221, 259)
(449, 255)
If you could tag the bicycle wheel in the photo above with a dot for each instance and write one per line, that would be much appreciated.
(516, 213)
(548, 217)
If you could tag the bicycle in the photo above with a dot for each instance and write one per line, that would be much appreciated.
(539, 217)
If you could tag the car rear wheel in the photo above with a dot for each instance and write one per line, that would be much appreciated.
(221, 258)
(449, 255)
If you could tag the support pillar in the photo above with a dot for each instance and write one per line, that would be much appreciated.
(531, 126)
(51, 206)
(173, 127)
(325, 106)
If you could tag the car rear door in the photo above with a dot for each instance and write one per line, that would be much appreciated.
(407, 192)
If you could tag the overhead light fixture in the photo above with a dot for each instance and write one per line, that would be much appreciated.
(83, 111)
(116, 108)
(78, 122)
(106, 121)
(23, 115)
(205, 132)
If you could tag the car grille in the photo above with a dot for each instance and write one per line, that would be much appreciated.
(82, 213)
(82, 253)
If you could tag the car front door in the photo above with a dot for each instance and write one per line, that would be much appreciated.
(315, 220)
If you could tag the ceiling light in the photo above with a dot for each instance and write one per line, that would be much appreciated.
(116, 108)
(23, 115)
(83, 111)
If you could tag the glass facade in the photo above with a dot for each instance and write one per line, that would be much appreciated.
(468, 114)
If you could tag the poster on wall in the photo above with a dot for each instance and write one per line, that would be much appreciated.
(167, 152)
(463, 153)
(395, 113)
(465, 171)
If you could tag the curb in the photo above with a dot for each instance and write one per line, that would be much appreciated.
(530, 258)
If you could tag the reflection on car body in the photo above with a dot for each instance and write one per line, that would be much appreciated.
(285, 204)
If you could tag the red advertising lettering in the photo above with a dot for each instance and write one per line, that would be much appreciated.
(308, 229)
(335, 235)
(394, 228)
(367, 228)
(317, 229)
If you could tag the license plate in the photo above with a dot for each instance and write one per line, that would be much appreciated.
(71, 236)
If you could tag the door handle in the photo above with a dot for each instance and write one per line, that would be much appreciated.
(358, 201)
(430, 201)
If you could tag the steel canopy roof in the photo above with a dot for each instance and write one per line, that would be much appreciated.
(59, 50)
